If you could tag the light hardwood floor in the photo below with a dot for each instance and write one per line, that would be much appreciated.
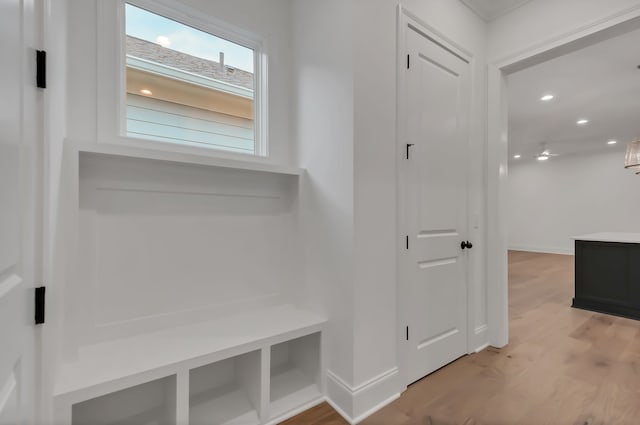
(562, 365)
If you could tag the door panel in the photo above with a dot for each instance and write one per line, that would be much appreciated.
(9, 407)
(20, 205)
(438, 94)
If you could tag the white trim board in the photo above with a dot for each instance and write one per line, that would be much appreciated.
(236, 163)
(356, 403)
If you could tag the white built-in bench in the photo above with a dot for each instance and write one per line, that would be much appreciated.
(255, 368)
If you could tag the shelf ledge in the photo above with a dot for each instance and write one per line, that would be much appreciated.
(185, 158)
(113, 365)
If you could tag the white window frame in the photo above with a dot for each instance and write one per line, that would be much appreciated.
(111, 73)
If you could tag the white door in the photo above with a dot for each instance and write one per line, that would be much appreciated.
(438, 100)
(20, 203)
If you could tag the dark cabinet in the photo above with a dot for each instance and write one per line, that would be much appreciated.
(608, 277)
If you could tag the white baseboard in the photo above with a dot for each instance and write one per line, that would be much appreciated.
(542, 250)
(482, 347)
(479, 339)
(357, 403)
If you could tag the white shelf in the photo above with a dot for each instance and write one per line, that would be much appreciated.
(110, 366)
(184, 158)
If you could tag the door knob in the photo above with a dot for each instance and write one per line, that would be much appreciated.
(466, 244)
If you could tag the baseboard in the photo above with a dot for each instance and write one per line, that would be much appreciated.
(355, 404)
(480, 338)
(481, 348)
(541, 250)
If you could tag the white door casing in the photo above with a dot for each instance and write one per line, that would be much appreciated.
(20, 209)
(438, 94)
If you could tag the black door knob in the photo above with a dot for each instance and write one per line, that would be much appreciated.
(466, 244)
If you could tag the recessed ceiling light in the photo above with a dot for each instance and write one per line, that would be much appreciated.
(543, 158)
(583, 121)
(517, 156)
(547, 98)
(146, 92)
(612, 142)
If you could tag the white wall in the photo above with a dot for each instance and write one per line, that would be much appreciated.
(564, 197)
(546, 225)
(345, 125)
(323, 127)
(542, 21)
(163, 244)
(375, 220)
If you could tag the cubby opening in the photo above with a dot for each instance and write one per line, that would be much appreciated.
(226, 392)
(295, 373)
(152, 403)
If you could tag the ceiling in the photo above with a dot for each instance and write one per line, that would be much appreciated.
(492, 9)
(600, 82)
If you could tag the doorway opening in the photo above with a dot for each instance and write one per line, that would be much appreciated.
(570, 119)
(519, 140)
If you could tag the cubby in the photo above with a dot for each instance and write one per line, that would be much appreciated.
(152, 403)
(226, 392)
(295, 373)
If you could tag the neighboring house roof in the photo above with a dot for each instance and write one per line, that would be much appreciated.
(154, 52)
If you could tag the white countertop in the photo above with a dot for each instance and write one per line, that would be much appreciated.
(610, 237)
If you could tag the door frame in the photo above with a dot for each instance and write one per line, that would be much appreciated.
(53, 27)
(404, 19)
(498, 156)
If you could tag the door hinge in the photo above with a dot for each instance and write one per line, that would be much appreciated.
(409, 147)
(407, 238)
(407, 333)
(41, 69)
(40, 301)
(408, 61)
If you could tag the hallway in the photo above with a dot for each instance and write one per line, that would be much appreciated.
(562, 365)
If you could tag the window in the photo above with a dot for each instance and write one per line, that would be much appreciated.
(189, 87)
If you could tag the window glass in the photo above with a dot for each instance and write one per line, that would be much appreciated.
(187, 86)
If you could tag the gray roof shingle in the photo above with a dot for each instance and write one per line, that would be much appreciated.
(154, 52)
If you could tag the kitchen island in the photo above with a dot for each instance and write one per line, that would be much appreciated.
(607, 277)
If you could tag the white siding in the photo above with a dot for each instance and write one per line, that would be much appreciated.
(154, 119)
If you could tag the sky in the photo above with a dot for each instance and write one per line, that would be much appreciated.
(174, 35)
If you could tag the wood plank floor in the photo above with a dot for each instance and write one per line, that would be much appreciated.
(562, 365)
